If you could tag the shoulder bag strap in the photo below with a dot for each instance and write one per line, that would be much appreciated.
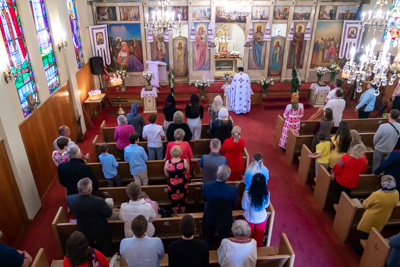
(395, 128)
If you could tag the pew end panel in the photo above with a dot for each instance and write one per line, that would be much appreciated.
(376, 250)
(304, 165)
(60, 218)
(246, 159)
(290, 146)
(270, 223)
(95, 147)
(345, 213)
(40, 259)
(279, 126)
(322, 187)
(285, 248)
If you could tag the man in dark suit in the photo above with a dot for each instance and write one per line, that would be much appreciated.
(220, 199)
(69, 173)
(91, 214)
(391, 167)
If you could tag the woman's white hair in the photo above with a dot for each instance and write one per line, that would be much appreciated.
(122, 120)
(241, 228)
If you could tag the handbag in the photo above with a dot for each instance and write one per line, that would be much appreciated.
(397, 146)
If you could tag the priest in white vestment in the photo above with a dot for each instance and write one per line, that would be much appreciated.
(240, 92)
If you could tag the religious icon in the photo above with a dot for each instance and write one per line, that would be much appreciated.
(301, 13)
(276, 55)
(201, 13)
(180, 56)
(260, 13)
(297, 47)
(106, 13)
(159, 49)
(327, 12)
(326, 43)
(182, 11)
(347, 12)
(99, 38)
(257, 54)
(281, 12)
(221, 17)
(129, 13)
(201, 60)
(352, 33)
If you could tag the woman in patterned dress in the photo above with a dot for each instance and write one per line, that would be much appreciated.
(292, 115)
(186, 154)
(178, 186)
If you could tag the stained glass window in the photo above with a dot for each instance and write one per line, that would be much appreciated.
(45, 44)
(76, 38)
(393, 23)
(18, 55)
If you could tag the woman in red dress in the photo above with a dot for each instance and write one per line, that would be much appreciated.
(187, 154)
(233, 149)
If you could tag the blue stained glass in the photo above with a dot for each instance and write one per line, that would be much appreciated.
(76, 38)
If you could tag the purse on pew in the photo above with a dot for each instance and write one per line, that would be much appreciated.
(164, 213)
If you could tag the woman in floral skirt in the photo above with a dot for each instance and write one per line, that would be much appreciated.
(292, 115)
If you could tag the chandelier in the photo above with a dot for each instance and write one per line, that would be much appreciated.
(163, 21)
(235, 10)
(377, 18)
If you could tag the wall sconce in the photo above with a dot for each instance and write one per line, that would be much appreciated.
(62, 46)
(9, 74)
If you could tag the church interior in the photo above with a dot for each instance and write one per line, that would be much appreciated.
(82, 63)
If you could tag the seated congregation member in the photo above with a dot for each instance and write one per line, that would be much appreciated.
(69, 173)
(136, 120)
(337, 104)
(240, 250)
(256, 166)
(367, 102)
(178, 124)
(323, 126)
(378, 207)
(393, 259)
(141, 250)
(209, 163)
(222, 127)
(136, 206)
(60, 155)
(154, 134)
(91, 213)
(322, 153)
(214, 109)
(187, 154)
(63, 131)
(11, 257)
(220, 199)
(292, 115)
(109, 166)
(233, 149)
(391, 166)
(340, 143)
(194, 114)
(121, 134)
(255, 202)
(154, 204)
(79, 253)
(348, 169)
(175, 169)
(137, 157)
(169, 111)
(188, 251)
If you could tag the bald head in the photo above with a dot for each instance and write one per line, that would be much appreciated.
(64, 131)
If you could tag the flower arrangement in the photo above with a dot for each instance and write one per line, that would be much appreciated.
(320, 71)
(333, 69)
(171, 82)
(265, 83)
(201, 85)
(147, 75)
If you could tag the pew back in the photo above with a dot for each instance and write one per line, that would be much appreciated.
(376, 250)
(40, 259)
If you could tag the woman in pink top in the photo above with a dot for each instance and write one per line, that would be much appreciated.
(187, 154)
(121, 134)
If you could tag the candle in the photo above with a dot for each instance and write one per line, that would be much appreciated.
(363, 16)
(363, 60)
(147, 18)
(352, 53)
(369, 14)
(367, 50)
(179, 17)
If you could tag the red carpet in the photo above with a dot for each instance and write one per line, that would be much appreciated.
(309, 230)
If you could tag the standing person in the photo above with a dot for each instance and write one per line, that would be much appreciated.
(394, 255)
(60, 155)
(121, 135)
(323, 126)
(256, 166)
(240, 92)
(222, 127)
(188, 251)
(220, 199)
(391, 167)
(194, 114)
(154, 133)
(11, 257)
(141, 250)
(367, 102)
(340, 142)
(396, 98)
(187, 154)
(337, 85)
(292, 115)
(136, 120)
(348, 169)
(386, 138)
(169, 111)
(209, 163)
(137, 157)
(178, 124)
(63, 131)
(255, 202)
(233, 149)
(322, 153)
(175, 169)
(337, 104)
(91, 214)
(214, 109)
(109, 166)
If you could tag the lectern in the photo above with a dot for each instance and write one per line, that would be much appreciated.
(159, 70)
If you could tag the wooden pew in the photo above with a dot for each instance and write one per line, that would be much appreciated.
(107, 132)
(40, 259)
(367, 184)
(279, 126)
(349, 213)
(376, 250)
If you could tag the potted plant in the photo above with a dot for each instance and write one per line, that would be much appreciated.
(171, 82)
(148, 75)
(321, 71)
(333, 69)
(201, 85)
(265, 83)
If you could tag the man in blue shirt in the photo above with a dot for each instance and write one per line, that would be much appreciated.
(391, 167)
(14, 258)
(137, 157)
(109, 165)
(367, 99)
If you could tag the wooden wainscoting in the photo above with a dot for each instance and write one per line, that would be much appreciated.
(39, 131)
(85, 81)
(13, 218)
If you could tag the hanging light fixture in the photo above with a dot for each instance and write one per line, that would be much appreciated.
(240, 9)
(163, 21)
(376, 18)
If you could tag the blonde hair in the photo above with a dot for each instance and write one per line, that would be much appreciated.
(179, 134)
(357, 149)
(236, 133)
(176, 151)
(355, 136)
(178, 117)
(217, 103)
